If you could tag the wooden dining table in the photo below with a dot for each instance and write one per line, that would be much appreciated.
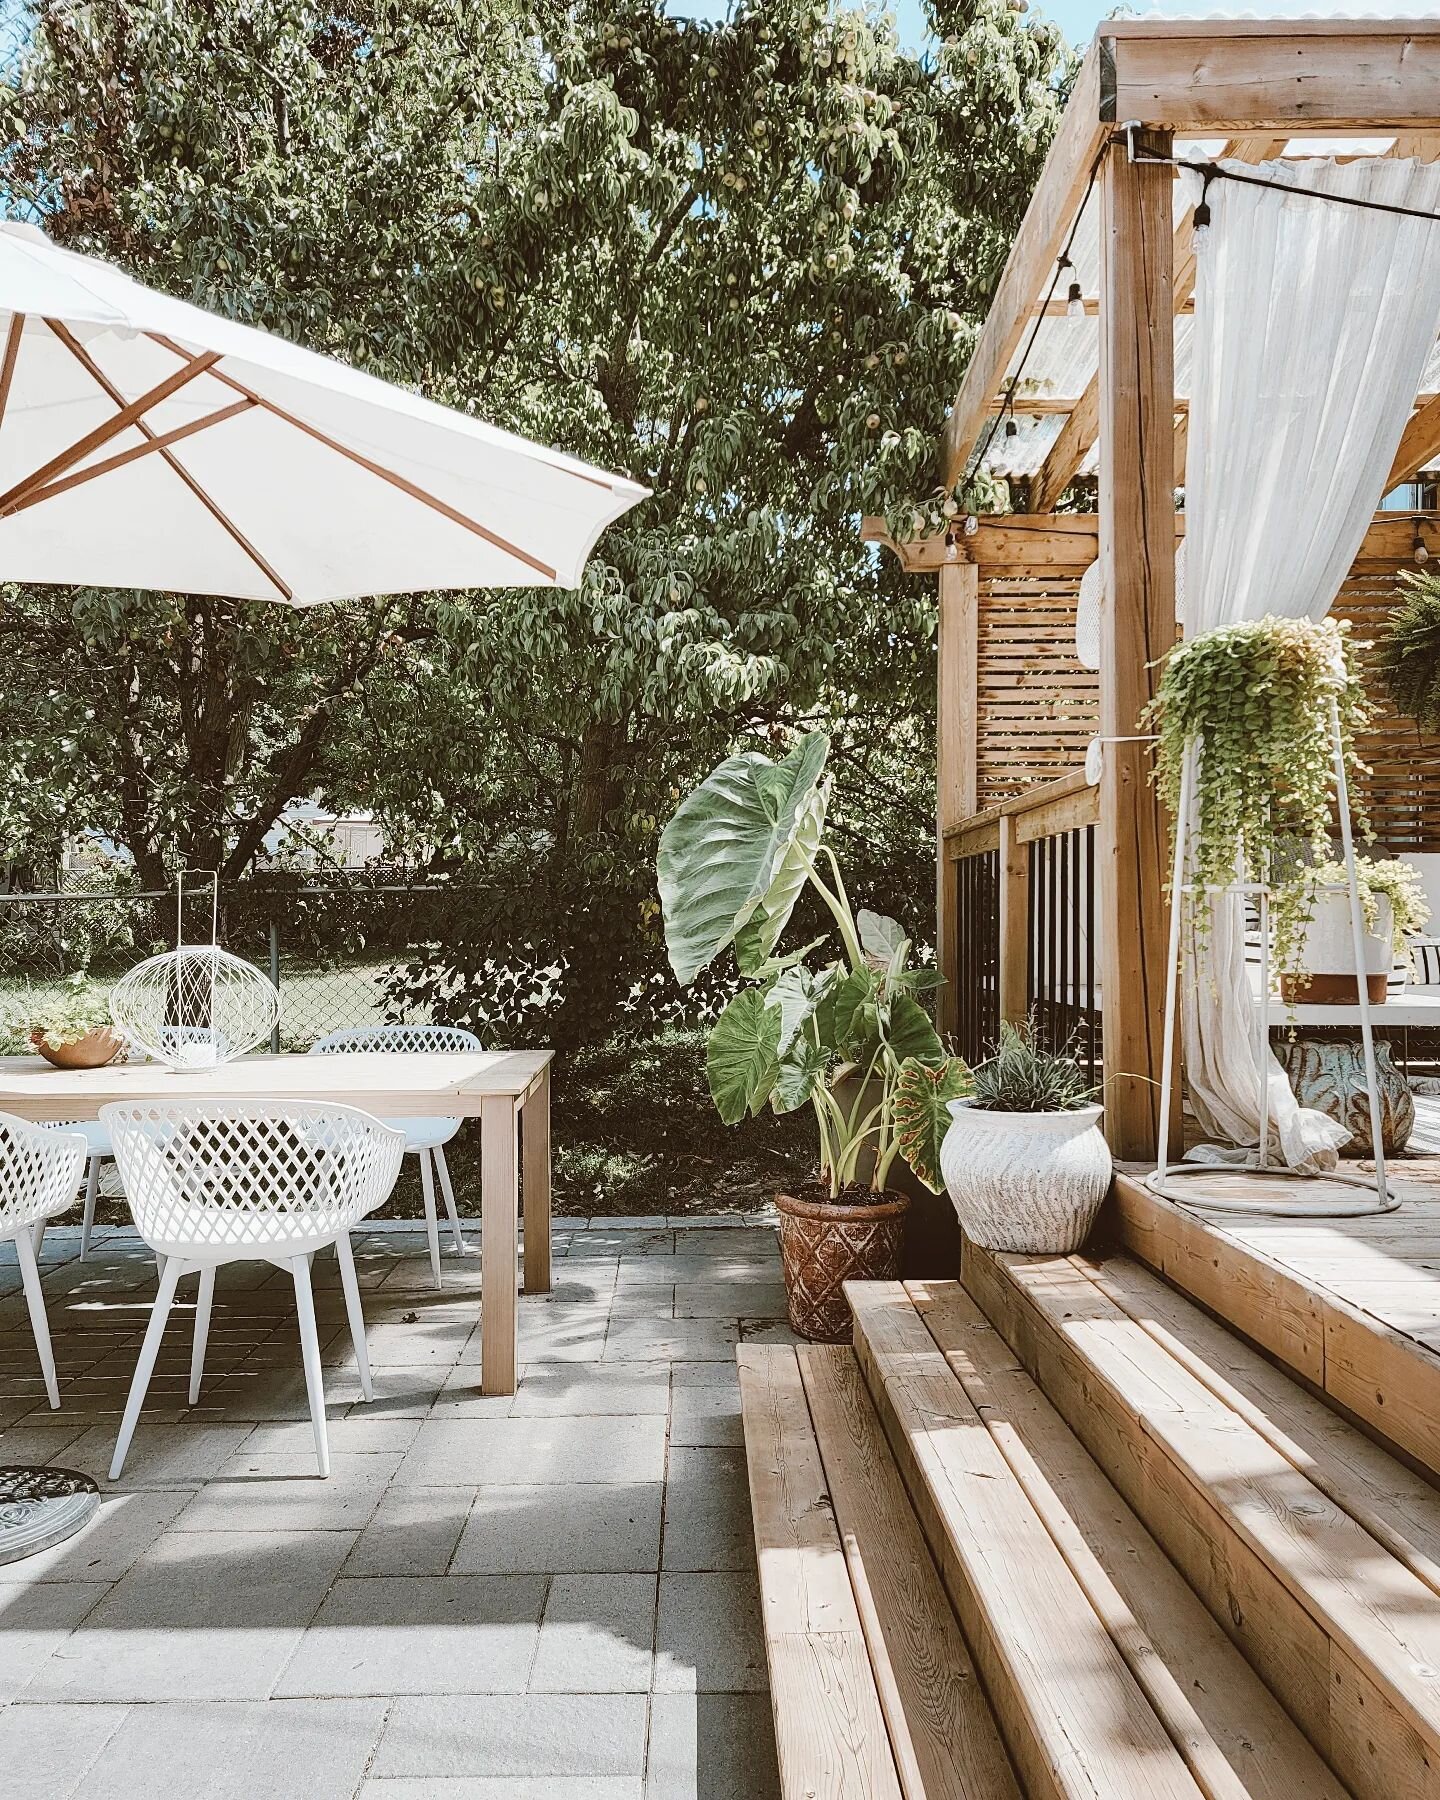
(507, 1090)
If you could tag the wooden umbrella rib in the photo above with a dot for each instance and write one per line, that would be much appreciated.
(133, 454)
(227, 524)
(12, 353)
(377, 469)
(130, 413)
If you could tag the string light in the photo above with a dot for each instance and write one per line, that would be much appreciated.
(1420, 550)
(1011, 428)
(1075, 304)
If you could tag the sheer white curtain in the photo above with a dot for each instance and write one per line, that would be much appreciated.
(1313, 322)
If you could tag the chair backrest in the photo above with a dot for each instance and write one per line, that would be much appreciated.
(258, 1174)
(398, 1037)
(40, 1171)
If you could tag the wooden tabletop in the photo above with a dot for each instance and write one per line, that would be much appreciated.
(390, 1083)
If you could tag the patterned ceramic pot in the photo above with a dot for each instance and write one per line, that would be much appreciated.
(823, 1245)
(1330, 1077)
(1028, 1182)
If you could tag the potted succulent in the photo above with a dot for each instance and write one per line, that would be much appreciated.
(1025, 1162)
(1314, 949)
(844, 1034)
(72, 1027)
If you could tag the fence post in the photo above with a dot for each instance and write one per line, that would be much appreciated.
(1014, 861)
(275, 978)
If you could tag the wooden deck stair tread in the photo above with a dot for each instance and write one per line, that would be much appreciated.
(1345, 1631)
(1234, 1734)
(874, 1691)
(1076, 1721)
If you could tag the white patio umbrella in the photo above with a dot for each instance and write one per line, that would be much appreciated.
(147, 443)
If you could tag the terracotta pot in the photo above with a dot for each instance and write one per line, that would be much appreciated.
(823, 1245)
(92, 1051)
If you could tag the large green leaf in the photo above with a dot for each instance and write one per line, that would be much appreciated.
(922, 1095)
(740, 1058)
(733, 853)
(911, 1033)
(880, 937)
(849, 1017)
(801, 1070)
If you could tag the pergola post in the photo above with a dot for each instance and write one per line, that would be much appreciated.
(956, 738)
(1137, 549)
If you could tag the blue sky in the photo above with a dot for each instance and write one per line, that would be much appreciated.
(1076, 18)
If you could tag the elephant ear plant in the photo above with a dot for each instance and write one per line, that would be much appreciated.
(846, 1035)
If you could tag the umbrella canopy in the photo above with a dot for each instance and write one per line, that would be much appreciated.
(148, 443)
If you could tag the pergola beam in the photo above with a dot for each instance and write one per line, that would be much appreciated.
(1048, 219)
(1418, 446)
(1238, 75)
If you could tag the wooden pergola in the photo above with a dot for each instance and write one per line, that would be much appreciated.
(1086, 864)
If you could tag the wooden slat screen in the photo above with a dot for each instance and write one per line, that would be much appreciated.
(1403, 789)
(1038, 708)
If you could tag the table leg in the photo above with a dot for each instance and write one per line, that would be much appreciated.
(535, 1165)
(499, 1207)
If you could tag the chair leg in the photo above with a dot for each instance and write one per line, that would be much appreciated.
(37, 1236)
(432, 1229)
(345, 1257)
(35, 1300)
(174, 1268)
(310, 1349)
(92, 1188)
(443, 1170)
(202, 1330)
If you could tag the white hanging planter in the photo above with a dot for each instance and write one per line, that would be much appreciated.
(1027, 1182)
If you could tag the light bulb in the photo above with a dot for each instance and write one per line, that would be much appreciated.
(1201, 224)
(1011, 428)
(1075, 304)
(1421, 553)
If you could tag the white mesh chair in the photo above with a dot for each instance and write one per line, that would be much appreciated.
(97, 1149)
(425, 1138)
(212, 1182)
(39, 1173)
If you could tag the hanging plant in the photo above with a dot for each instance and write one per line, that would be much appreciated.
(1410, 650)
(1292, 905)
(1258, 695)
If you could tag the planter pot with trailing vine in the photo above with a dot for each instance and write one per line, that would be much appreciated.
(1325, 955)
(1025, 1163)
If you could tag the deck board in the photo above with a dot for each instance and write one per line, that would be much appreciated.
(1352, 1305)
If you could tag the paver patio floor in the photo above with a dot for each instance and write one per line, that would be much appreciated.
(490, 1599)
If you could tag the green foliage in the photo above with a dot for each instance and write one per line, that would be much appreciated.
(1410, 650)
(923, 1094)
(799, 1035)
(65, 1015)
(743, 261)
(1021, 1077)
(1292, 904)
(1259, 694)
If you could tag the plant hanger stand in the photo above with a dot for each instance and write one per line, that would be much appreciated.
(1380, 1198)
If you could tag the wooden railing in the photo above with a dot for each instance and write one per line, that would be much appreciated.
(1023, 904)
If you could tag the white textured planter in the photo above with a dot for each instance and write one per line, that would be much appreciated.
(1029, 1182)
(1327, 953)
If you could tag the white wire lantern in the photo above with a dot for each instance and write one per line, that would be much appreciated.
(1087, 608)
(195, 1007)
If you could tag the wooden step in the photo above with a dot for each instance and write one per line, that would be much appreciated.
(1351, 1305)
(1078, 1724)
(1234, 1734)
(874, 1692)
(1334, 1610)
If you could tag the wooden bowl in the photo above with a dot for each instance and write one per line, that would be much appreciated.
(93, 1051)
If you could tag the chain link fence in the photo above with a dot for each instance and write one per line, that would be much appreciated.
(341, 956)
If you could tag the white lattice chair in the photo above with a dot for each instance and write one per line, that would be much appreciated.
(211, 1182)
(97, 1149)
(425, 1138)
(39, 1173)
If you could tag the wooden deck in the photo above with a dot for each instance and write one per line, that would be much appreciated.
(1351, 1305)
